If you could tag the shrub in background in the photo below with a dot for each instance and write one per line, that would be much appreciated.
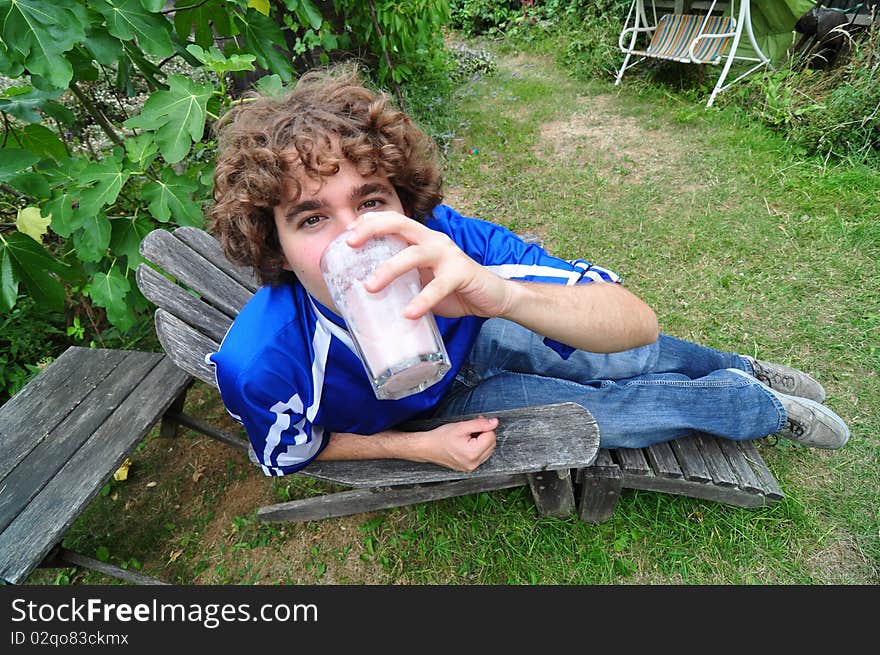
(834, 112)
(105, 108)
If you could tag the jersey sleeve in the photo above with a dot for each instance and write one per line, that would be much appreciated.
(277, 417)
(508, 256)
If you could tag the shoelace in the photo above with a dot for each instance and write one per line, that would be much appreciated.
(795, 428)
(773, 378)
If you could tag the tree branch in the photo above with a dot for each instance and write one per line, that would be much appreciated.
(97, 114)
(397, 90)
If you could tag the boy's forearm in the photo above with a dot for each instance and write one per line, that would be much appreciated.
(596, 316)
(388, 444)
(459, 445)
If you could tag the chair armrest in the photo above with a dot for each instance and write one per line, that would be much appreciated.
(632, 30)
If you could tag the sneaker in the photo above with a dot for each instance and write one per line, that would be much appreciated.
(808, 422)
(812, 424)
(789, 381)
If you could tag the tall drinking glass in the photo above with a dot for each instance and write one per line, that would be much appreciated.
(401, 356)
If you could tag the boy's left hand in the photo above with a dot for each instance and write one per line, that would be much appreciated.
(453, 283)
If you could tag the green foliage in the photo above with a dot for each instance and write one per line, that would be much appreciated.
(24, 332)
(404, 36)
(587, 36)
(832, 112)
(483, 17)
(105, 125)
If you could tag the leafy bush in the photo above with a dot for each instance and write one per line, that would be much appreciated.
(483, 17)
(106, 106)
(583, 34)
(24, 332)
(833, 112)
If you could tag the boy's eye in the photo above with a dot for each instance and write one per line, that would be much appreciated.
(370, 204)
(310, 221)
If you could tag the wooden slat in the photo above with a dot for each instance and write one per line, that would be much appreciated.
(765, 476)
(357, 501)
(746, 477)
(690, 459)
(604, 458)
(209, 248)
(164, 293)
(715, 461)
(552, 492)
(28, 417)
(46, 459)
(34, 532)
(663, 460)
(695, 489)
(185, 346)
(176, 258)
(530, 439)
(600, 491)
(632, 460)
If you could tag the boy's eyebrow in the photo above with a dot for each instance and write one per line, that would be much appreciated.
(367, 189)
(305, 206)
(370, 188)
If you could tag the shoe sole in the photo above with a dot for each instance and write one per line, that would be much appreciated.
(818, 407)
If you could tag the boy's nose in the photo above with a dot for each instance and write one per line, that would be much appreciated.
(349, 218)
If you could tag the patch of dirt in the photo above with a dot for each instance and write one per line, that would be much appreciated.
(840, 562)
(614, 145)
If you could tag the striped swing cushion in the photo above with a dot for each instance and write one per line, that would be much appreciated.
(675, 32)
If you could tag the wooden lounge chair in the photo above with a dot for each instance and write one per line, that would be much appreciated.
(553, 448)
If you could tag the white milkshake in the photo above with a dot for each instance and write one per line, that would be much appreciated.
(401, 356)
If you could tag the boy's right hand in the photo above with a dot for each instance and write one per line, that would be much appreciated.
(453, 283)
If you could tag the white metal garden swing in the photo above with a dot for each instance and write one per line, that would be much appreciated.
(694, 33)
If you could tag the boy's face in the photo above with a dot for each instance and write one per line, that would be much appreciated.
(307, 224)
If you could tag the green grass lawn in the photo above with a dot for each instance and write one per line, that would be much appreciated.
(737, 240)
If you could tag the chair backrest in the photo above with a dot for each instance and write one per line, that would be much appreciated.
(194, 311)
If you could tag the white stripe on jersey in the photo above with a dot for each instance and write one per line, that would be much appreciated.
(517, 271)
(282, 422)
(334, 329)
(321, 346)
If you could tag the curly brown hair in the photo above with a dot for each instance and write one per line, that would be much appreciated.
(328, 115)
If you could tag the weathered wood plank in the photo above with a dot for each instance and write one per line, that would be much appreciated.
(64, 557)
(695, 489)
(715, 460)
(746, 478)
(164, 293)
(176, 258)
(553, 492)
(27, 479)
(765, 476)
(663, 460)
(690, 460)
(209, 248)
(604, 458)
(357, 501)
(28, 417)
(530, 439)
(33, 533)
(632, 460)
(599, 493)
(185, 346)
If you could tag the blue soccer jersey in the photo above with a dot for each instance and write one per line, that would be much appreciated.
(288, 371)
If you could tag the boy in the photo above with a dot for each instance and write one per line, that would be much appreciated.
(521, 327)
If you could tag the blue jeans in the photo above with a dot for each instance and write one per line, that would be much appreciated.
(655, 393)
